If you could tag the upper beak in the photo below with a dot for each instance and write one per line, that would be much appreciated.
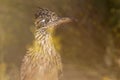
(61, 21)
(64, 20)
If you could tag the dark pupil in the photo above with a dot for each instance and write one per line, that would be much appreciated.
(44, 22)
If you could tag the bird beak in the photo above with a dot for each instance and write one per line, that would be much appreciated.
(60, 21)
(64, 20)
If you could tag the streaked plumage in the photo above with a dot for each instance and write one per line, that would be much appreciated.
(42, 61)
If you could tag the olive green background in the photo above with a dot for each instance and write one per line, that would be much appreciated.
(89, 46)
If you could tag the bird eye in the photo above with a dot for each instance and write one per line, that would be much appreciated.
(43, 20)
(46, 21)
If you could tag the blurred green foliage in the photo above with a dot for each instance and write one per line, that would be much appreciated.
(114, 20)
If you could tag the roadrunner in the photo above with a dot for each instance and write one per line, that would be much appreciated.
(42, 61)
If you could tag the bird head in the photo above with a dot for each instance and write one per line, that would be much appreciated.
(47, 18)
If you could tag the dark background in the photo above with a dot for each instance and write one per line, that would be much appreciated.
(89, 47)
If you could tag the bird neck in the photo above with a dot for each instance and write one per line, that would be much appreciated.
(43, 43)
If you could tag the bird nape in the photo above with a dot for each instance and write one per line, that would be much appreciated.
(42, 61)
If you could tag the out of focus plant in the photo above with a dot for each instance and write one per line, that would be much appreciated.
(114, 19)
(3, 75)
